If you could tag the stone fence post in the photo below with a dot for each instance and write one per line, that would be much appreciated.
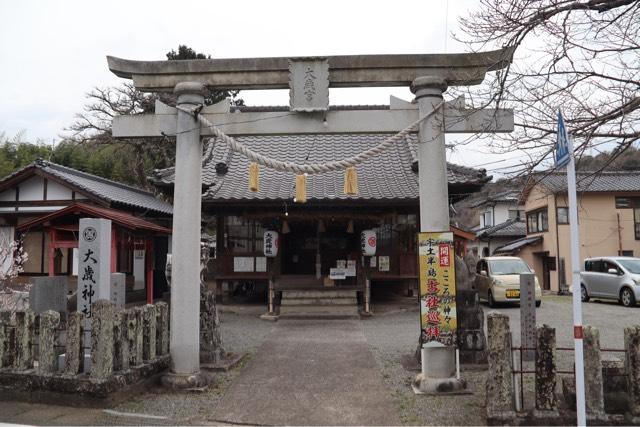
(134, 335)
(162, 328)
(120, 342)
(102, 318)
(74, 352)
(500, 392)
(546, 399)
(25, 331)
(4, 341)
(149, 332)
(594, 393)
(632, 365)
(48, 359)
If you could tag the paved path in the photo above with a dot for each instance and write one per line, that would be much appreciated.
(310, 372)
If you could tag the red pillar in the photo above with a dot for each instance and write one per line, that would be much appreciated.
(149, 269)
(114, 249)
(52, 252)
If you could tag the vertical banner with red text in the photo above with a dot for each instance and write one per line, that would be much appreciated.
(436, 258)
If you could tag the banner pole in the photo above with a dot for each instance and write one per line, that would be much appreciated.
(577, 292)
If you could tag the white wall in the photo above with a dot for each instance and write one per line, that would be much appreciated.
(56, 191)
(32, 189)
(499, 213)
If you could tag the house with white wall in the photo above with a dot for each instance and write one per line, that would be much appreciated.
(501, 220)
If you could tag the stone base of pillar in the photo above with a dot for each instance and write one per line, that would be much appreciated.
(426, 385)
(271, 317)
(175, 381)
(228, 362)
(438, 371)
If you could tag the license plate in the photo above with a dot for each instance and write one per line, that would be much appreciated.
(513, 293)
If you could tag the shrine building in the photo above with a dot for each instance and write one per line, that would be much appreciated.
(324, 232)
(41, 204)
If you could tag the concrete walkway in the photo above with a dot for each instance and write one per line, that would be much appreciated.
(310, 372)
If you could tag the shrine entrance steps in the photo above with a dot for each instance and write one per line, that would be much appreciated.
(319, 303)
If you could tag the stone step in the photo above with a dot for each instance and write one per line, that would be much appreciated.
(320, 301)
(297, 311)
(296, 294)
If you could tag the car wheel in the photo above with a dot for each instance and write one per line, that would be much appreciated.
(584, 296)
(492, 302)
(538, 303)
(627, 298)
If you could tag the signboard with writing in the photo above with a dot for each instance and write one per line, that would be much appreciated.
(243, 264)
(309, 84)
(337, 273)
(94, 263)
(383, 263)
(270, 243)
(528, 315)
(436, 258)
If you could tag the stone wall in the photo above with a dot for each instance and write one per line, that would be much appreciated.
(38, 353)
(612, 390)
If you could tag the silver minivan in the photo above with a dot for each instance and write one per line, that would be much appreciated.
(615, 278)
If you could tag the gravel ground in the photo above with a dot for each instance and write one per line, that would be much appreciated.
(392, 338)
(243, 332)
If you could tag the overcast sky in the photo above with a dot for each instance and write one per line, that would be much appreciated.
(53, 53)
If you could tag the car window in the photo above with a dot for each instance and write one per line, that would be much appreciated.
(596, 265)
(608, 264)
(631, 264)
(588, 265)
(508, 266)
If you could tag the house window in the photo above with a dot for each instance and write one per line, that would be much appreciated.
(488, 219)
(636, 222)
(625, 253)
(625, 202)
(563, 215)
(538, 221)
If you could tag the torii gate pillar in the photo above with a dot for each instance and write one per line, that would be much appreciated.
(436, 360)
(187, 202)
(432, 160)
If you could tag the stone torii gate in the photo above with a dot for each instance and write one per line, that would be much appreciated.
(309, 80)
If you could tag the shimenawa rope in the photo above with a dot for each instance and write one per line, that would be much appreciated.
(311, 168)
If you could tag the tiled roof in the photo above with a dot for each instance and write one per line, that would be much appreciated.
(517, 245)
(593, 181)
(102, 188)
(509, 228)
(505, 196)
(392, 175)
(119, 217)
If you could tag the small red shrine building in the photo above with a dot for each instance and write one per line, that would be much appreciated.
(43, 202)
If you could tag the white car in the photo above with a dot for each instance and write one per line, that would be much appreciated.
(498, 279)
(616, 278)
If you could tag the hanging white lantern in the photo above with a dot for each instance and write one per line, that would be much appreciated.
(270, 243)
(368, 242)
